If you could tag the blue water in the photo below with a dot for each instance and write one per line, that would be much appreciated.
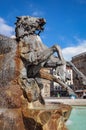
(77, 120)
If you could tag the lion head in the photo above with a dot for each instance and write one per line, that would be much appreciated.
(26, 25)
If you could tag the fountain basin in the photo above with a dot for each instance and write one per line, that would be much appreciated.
(31, 117)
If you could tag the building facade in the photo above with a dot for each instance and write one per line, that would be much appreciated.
(80, 62)
(53, 89)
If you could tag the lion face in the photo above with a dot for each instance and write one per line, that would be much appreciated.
(27, 25)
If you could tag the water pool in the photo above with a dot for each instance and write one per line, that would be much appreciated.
(77, 120)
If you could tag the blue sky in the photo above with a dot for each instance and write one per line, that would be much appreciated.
(65, 26)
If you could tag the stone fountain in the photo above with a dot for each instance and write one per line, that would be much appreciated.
(22, 63)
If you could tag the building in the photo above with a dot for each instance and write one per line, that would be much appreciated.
(80, 62)
(69, 76)
(53, 89)
(57, 89)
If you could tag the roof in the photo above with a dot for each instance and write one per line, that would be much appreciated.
(81, 54)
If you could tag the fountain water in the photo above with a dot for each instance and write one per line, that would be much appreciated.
(77, 119)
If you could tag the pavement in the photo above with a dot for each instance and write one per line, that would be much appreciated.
(72, 102)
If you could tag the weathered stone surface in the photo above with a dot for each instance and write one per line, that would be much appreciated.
(38, 118)
(11, 119)
(49, 117)
(18, 109)
(17, 113)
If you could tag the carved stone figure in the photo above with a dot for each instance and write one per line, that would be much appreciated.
(24, 58)
(38, 55)
(20, 73)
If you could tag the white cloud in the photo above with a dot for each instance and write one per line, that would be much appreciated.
(37, 13)
(5, 29)
(69, 52)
